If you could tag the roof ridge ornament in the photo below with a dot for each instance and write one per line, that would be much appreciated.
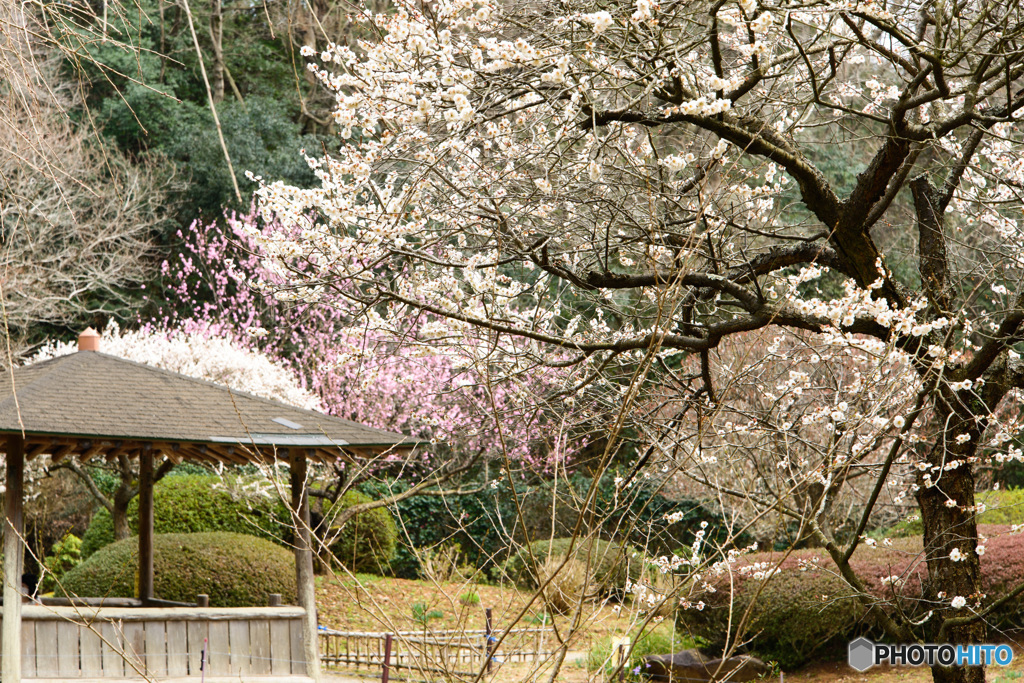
(89, 340)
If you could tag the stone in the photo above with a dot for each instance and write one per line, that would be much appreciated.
(690, 666)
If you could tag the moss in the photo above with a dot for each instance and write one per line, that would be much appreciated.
(367, 542)
(193, 504)
(235, 570)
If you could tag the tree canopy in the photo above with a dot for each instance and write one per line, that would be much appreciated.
(779, 240)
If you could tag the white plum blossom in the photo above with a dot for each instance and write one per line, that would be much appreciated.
(600, 21)
(201, 354)
(630, 198)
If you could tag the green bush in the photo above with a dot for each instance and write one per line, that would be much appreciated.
(196, 503)
(475, 521)
(367, 542)
(611, 564)
(486, 523)
(797, 616)
(235, 570)
(66, 554)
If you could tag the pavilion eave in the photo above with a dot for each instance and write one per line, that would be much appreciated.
(219, 450)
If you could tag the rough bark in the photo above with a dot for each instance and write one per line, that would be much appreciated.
(945, 529)
(122, 497)
(217, 39)
(931, 243)
(948, 527)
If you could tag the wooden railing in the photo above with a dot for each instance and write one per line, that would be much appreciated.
(461, 652)
(118, 642)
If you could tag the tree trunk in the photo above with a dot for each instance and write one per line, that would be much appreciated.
(217, 38)
(948, 528)
(122, 497)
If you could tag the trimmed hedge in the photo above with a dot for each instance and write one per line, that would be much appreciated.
(192, 504)
(611, 564)
(797, 616)
(235, 570)
(367, 542)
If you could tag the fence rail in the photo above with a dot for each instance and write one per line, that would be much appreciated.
(67, 643)
(460, 652)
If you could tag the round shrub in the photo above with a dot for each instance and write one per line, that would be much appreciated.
(197, 503)
(367, 542)
(235, 570)
(799, 615)
(609, 563)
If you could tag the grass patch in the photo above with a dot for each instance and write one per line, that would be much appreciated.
(662, 639)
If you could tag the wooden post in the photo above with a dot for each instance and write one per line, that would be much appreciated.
(488, 629)
(146, 525)
(304, 562)
(386, 671)
(274, 600)
(10, 640)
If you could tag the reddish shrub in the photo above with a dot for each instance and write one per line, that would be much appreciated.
(802, 613)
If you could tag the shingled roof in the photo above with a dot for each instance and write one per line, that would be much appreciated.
(92, 404)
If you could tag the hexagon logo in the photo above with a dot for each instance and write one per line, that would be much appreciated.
(862, 654)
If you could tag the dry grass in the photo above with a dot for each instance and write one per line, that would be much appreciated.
(374, 603)
(566, 583)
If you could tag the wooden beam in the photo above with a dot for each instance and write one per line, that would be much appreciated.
(173, 452)
(119, 448)
(34, 451)
(227, 455)
(146, 524)
(304, 562)
(10, 638)
(62, 452)
(93, 450)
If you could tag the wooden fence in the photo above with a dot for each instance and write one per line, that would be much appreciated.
(459, 652)
(87, 642)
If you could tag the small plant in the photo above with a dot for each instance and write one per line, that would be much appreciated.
(469, 599)
(423, 615)
(542, 619)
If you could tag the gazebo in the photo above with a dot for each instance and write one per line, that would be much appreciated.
(92, 405)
